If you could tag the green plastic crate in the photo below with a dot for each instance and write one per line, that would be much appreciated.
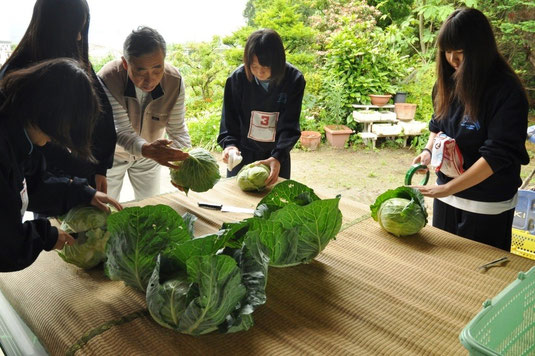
(506, 324)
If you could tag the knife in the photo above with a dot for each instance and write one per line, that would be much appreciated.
(225, 208)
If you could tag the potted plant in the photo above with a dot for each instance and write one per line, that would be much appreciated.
(337, 134)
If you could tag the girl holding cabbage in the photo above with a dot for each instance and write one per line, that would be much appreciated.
(481, 108)
(261, 107)
(51, 101)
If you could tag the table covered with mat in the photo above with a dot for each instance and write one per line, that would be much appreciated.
(367, 293)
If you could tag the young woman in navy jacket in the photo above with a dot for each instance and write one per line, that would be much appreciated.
(261, 107)
(51, 101)
(480, 102)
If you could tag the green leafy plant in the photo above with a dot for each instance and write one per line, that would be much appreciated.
(419, 86)
(292, 225)
(334, 104)
(99, 62)
(204, 129)
(361, 58)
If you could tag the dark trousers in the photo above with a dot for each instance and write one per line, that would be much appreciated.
(494, 230)
(250, 157)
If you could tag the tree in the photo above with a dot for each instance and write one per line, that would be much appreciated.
(203, 64)
(514, 26)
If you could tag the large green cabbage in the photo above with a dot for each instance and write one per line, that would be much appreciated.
(400, 211)
(199, 172)
(252, 177)
(89, 248)
(196, 290)
(291, 224)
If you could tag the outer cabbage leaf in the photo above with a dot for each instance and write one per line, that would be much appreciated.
(199, 172)
(179, 253)
(297, 234)
(212, 291)
(167, 299)
(137, 236)
(285, 192)
(253, 263)
(291, 223)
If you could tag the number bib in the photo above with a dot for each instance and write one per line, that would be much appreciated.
(24, 198)
(263, 126)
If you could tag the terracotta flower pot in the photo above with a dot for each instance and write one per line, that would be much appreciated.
(310, 139)
(380, 100)
(337, 135)
(405, 111)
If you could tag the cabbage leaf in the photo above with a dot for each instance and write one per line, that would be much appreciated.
(137, 236)
(199, 172)
(291, 223)
(211, 292)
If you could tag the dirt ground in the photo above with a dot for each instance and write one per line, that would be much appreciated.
(360, 174)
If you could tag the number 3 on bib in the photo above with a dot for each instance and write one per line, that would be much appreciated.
(263, 126)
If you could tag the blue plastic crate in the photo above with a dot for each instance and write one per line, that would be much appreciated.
(524, 218)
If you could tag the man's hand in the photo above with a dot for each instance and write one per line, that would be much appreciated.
(226, 152)
(275, 167)
(161, 152)
(63, 239)
(101, 183)
(100, 200)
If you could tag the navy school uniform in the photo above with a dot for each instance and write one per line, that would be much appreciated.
(60, 162)
(262, 123)
(498, 135)
(24, 184)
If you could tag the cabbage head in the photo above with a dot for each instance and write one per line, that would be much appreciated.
(291, 224)
(400, 211)
(199, 172)
(252, 177)
(89, 248)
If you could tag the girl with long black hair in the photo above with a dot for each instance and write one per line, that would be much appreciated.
(479, 101)
(64, 114)
(59, 28)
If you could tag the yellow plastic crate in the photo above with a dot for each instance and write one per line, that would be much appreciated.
(523, 243)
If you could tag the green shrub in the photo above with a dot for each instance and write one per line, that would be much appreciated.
(204, 129)
(419, 86)
(361, 56)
